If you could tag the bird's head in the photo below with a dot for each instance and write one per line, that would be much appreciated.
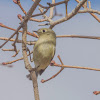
(46, 31)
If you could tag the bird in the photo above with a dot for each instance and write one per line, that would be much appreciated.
(44, 49)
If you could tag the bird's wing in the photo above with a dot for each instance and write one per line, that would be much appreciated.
(54, 49)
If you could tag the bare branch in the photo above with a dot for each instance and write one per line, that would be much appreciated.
(96, 92)
(45, 17)
(78, 36)
(40, 13)
(56, 73)
(24, 50)
(10, 62)
(19, 4)
(90, 13)
(29, 33)
(20, 17)
(7, 49)
(89, 4)
(66, 4)
(85, 5)
(77, 67)
(11, 36)
(16, 53)
(50, 5)
(52, 10)
(70, 15)
(18, 41)
(41, 5)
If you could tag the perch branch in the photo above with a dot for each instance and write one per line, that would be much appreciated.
(24, 50)
(56, 73)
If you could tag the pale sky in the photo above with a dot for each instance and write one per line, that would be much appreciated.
(71, 84)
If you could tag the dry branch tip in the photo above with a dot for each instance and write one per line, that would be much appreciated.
(96, 92)
(15, 1)
(52, 63)
(19, 16)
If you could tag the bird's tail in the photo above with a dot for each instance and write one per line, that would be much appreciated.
(36, 73)
(41, 71)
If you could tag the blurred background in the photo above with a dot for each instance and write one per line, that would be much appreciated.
(70, 84)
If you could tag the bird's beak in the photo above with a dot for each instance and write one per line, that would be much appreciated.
(35, 31)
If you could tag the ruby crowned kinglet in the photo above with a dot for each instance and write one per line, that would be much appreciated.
(44, 49)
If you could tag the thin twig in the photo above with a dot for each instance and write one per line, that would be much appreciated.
(45, 17)
(14, 45)
(77, 67)
(56, 73)
(66, 4)
(89, 4)
(10, 62)
(18, 41)
(78, 36)
(50, 5)
(6, 65)
(11, 36)
(96, 92)
(40, 13)
(51, 10)
(7, 49)
(89, 11)
(70, 15)
(16, 53)
(19, 4)
(20, 17)
(98, 19)
(29, 33)
(41, 5)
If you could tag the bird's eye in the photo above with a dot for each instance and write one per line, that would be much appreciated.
(43, 30)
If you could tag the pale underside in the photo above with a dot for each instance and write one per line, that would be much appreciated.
(42, 55)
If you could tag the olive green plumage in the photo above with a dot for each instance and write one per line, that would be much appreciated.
(44, 49)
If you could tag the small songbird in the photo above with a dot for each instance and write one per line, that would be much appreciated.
(44, 49)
